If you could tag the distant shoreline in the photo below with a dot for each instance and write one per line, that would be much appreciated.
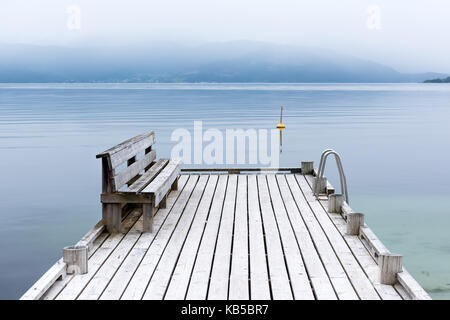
(444, 80)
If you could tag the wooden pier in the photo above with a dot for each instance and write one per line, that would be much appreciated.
(228, 236)
(235, 234)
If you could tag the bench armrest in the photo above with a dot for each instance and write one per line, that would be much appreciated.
(162, 183)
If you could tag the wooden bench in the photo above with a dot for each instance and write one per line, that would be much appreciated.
(130, 175)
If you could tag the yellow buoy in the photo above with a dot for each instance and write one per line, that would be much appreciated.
(281, 126)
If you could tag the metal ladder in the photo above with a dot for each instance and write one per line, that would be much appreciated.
(323, 161)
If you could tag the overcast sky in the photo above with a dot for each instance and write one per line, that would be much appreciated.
(409, 35)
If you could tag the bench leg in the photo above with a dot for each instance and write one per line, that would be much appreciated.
(163, 202)
(112, 217)
(147, 214)
(175, 184)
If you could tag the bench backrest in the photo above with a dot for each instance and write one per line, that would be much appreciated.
(126, 152)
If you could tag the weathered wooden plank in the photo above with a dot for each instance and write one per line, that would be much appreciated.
(259, 277)
(361, 283)
(198, 286)
(120, 197)
(138, 283)
(123, 275)
(298, 275)
(100, 280)
(239, 276)
(78, 283)
(58, 270)
(218, 286)
(330, 261)
(148, 176)
(129, 148)
(323, 288)
(60, 284)
(163, 181)
(412, 287)
(279, 278)
(179, 282)
(364, 258)
(402, 292)
(89, 238)
(373, 244)
(124, 176)
(239, 170)
(161, 277)
(40, 288)
(114, 262)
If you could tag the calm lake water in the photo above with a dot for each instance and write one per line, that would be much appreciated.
(394, 140)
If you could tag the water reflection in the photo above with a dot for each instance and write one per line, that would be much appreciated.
(281, 127)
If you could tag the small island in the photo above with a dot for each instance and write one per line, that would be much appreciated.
(445, 80)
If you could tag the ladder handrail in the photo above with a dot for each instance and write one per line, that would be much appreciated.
(323, 160)
(321, 169)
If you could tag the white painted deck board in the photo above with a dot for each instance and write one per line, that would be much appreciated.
(319, 278)
(336, 272)
(198, 286)
(59, 285)
(179, 281)
(138, 283)
(220, 273)
(369, 265)
(301, 287)
(259, 277)
(239, 285)
(255, 236)
(119, 282)
(360, 282)
(75, 287)
(163, 272)
(279, 277)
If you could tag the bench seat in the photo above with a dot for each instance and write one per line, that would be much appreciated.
(148, 176)
(144, 181)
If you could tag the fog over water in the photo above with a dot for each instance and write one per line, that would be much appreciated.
(409, 35)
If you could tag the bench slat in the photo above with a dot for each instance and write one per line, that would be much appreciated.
(129, 148)
(122, 197)
(162, 183)
(148, 176)
(130, 172)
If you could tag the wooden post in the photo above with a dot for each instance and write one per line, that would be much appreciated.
(76, 259)
(163, 202)
(147, 214)
(112, 217)
(390, 264)
(335, 202)
(321, 183)
(354, 222)
(307, 167)
(175, 184)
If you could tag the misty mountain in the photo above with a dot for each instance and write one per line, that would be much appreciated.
(238, 61)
